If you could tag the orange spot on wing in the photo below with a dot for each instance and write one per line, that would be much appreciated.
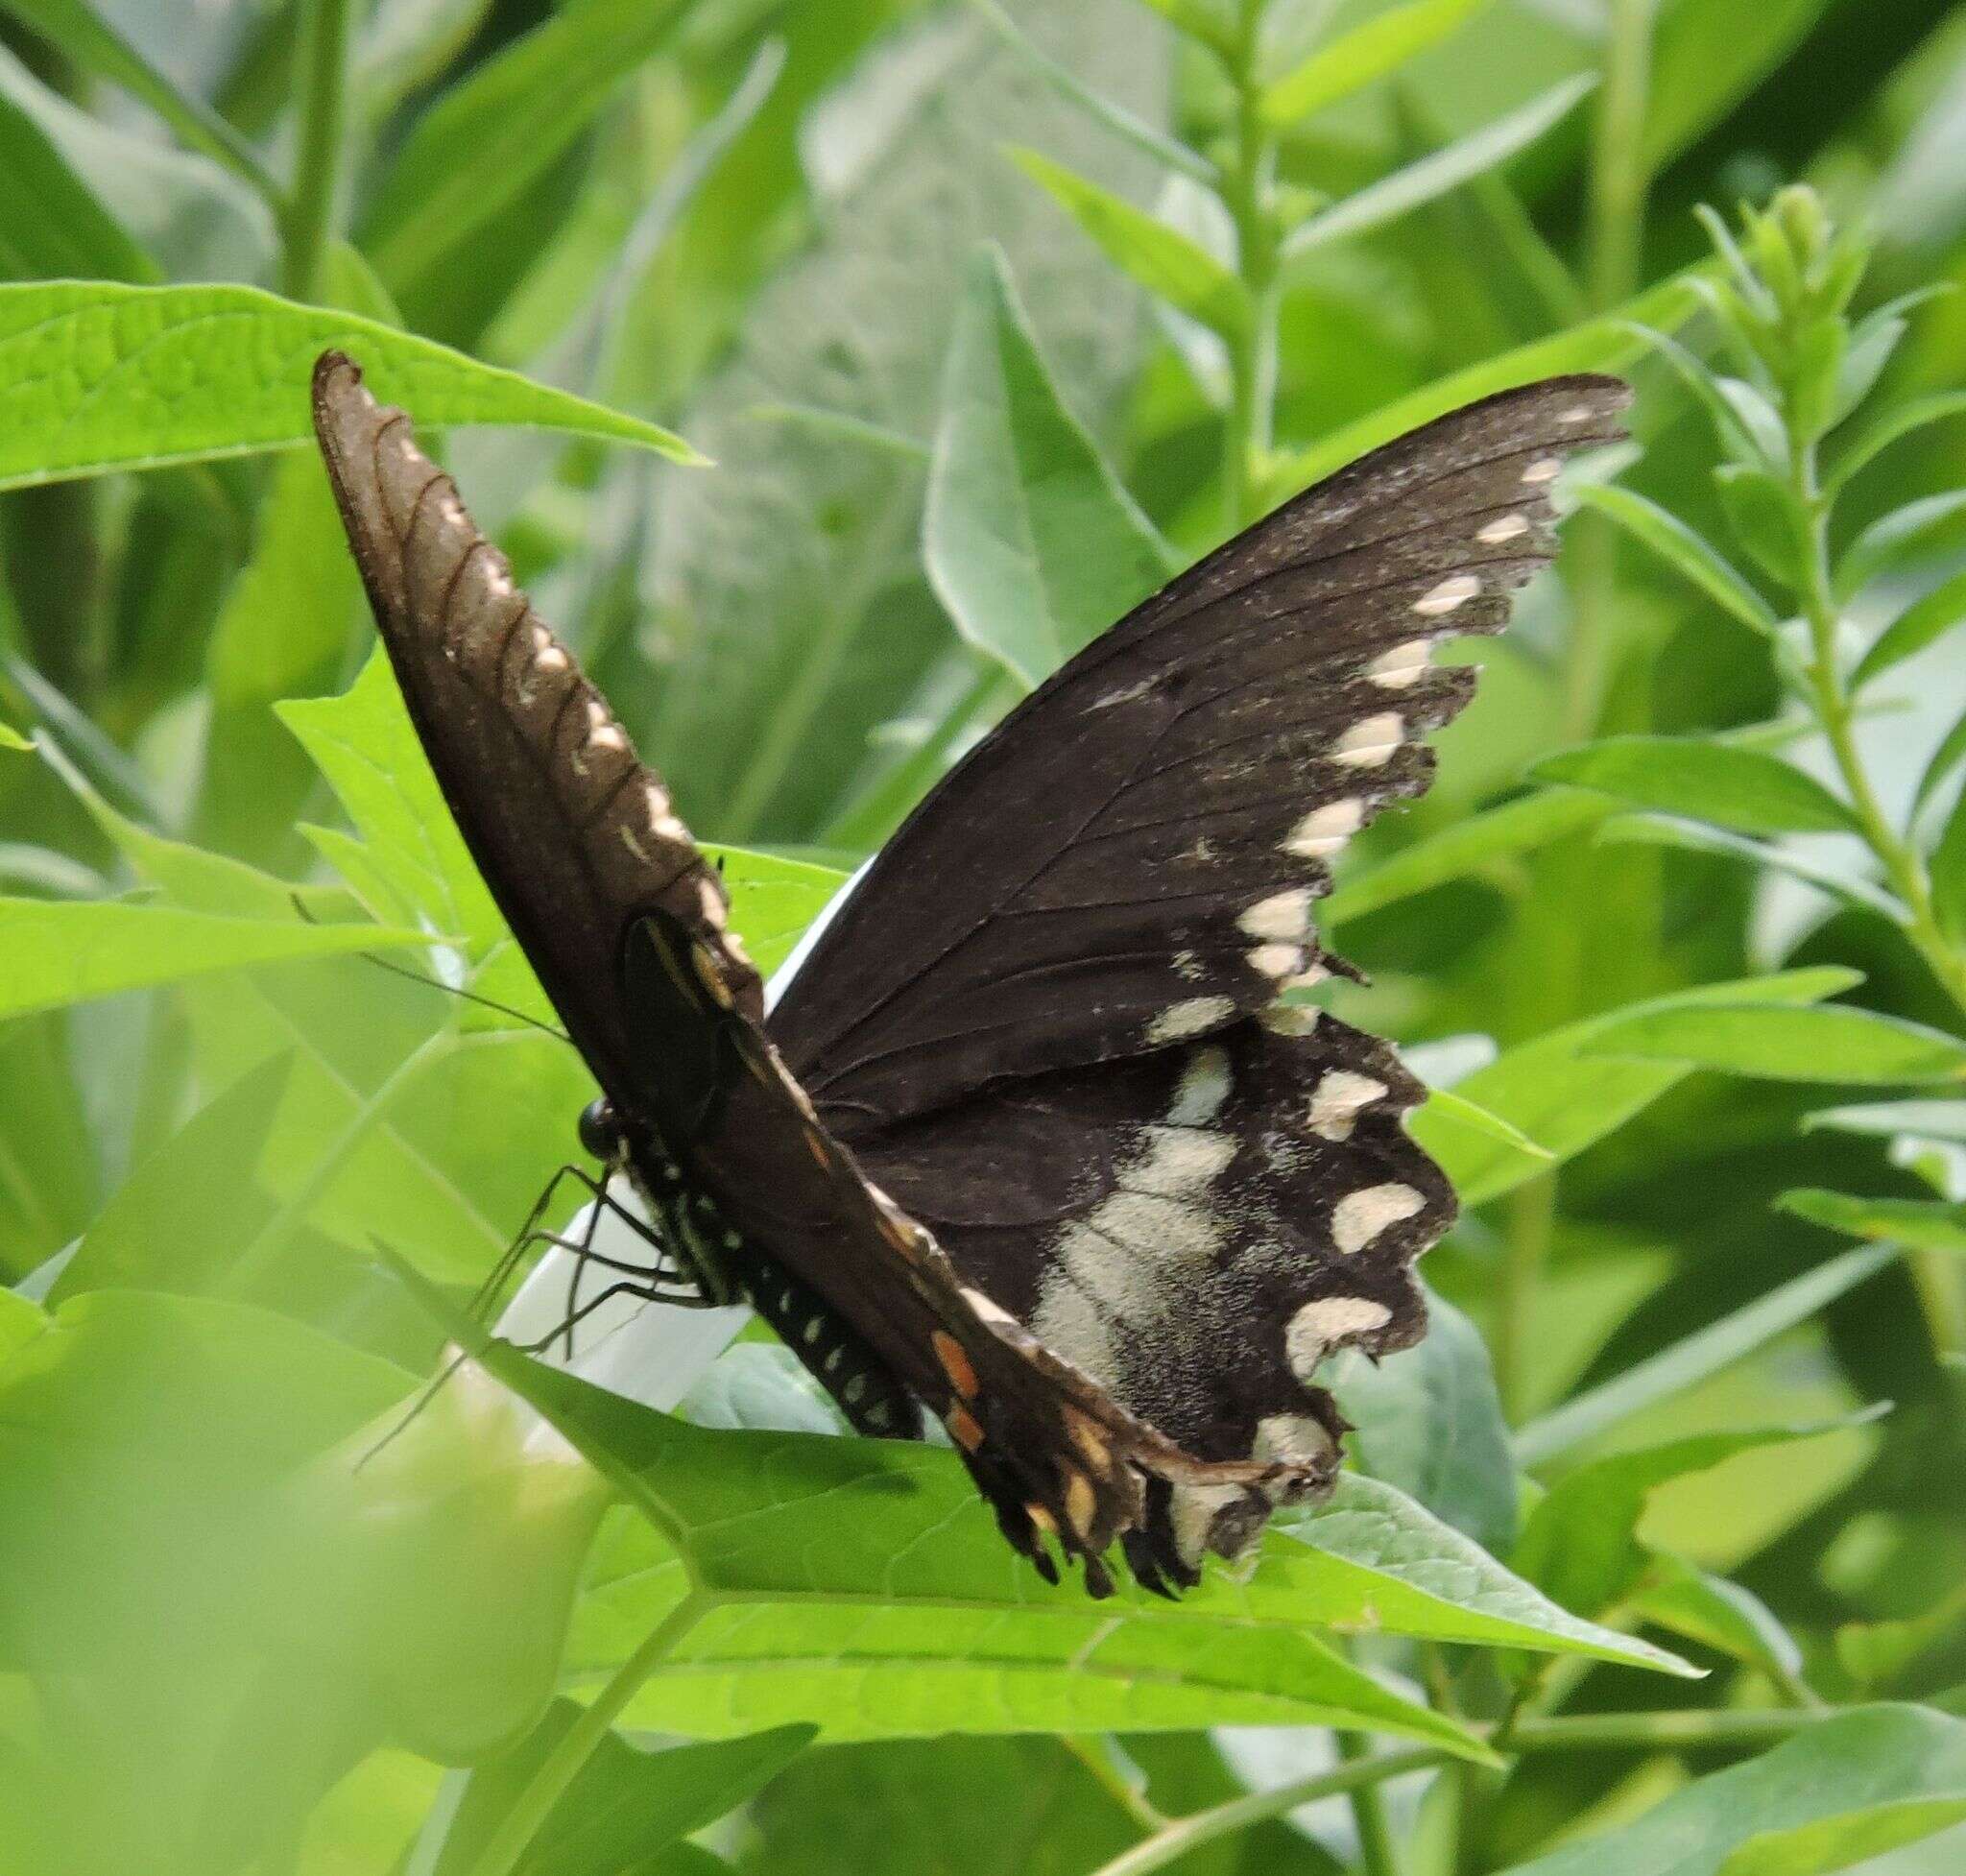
(955, 1365)
(962, 1428)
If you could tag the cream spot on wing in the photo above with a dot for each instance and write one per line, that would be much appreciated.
(1070, 1323)
(1191, 1514)
(1545, 468)
(1177, 1162)
(1324, 829)
(985, 1308)
(1505, 527)
(1454, 592)
(1358, 1217)
(1190, 1017)
(1283, 915)
(1293, 1439)
(1574, 414)
(1203, 1087)
(1317, 1327)
(1338, 1097)
(1155, 1227)
(1370, 741)
(550, 658)
(1397, 668)
(1277, 961)
(709, 901)
(1289, 1019)
(1312, 974)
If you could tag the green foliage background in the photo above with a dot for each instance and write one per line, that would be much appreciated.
(988, 316)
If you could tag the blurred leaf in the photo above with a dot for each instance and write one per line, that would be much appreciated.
(1451, 1110)
(77, 30)
(407, 44)
(1164, 260)
(1198, 18)
(1429, 1421)
(1691, 1360)
(1362, 56)
(70, 952)
(1458, 162)
(1689, 556)
(1144, 137)
(1765, 518)
(20, 1322)
(1948, 869)
(625, 1803)
(1563, 1095)
(1924, 1224)
(773, 900)
(1897, 420)
(1838, 1791)
(1740, 788)
(1944, 758)
(1472, 845)
(98, 376)
(1699, 1606)
(50, 222)
(12, 739)
(1695, 837)
(186, 1214)
(1925, 1119)
(1920, 624)
(1030, 541)
(1580, 1544)
(1871, 345)
(1834, 1044)
(1896, 537)
(1706, 55)
(502, 126)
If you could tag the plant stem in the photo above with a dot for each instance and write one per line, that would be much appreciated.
(1697, 1726)
(1101, 1755)
(1620, 176)
(321, 80)
(1377, 1855)
(1531, 1226)
(562, 1766)
(1247, 183)
(1181, 1836)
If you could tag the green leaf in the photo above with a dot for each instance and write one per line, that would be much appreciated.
(1920, 624)
(12, 739)
(1695, 837)
(1029, 540)
(1683, 551)
(51, 224)
(1363, 56)
(773, 900)
(1164, 260)
(1924, 1224)
(1448, 1110)
(1948, 868)
(626, 1802)
(1434, 175)
(1564, 1096)
(1691, 1360)
(1705, 56)
(75, 29)
(1701, 1607)
(98, 376)
(1734, 787)
(1478, 845)
(1900, 421)
(1197, 18)
(55, 953)
(20, 1322)
(1834, 1044)
(1429, 1421)
(502, 127)
(1897, 536)
(1580, 1544)
(1841, 1791)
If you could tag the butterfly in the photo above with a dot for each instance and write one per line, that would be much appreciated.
(1034, 1142)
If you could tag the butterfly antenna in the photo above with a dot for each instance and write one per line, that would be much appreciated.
(395, 969)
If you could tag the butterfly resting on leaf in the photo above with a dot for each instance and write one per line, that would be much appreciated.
(1031, 1142)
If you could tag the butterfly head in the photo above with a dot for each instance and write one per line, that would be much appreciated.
(601, 1132)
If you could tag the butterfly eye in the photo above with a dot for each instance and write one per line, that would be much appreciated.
(600, 1130)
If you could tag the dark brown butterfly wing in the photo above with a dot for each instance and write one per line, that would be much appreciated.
(625, 924)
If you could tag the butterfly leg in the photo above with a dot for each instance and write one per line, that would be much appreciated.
(681, 1298)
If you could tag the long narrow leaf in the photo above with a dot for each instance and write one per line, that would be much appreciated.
(1368, 52)
(1686, 552)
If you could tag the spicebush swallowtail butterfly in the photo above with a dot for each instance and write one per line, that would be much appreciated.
(1031, 1142)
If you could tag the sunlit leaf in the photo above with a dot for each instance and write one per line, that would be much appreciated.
(1029, 538)
(1363, 56)
(1696, 837)
(1702, 1607)
(1834, 1044)
(1925, 1119)
(1896, 538)
(1163, 259)
(1896, 422)
(1735, 788)
(1924, 1224)
(1920, 624)
(97, 376)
